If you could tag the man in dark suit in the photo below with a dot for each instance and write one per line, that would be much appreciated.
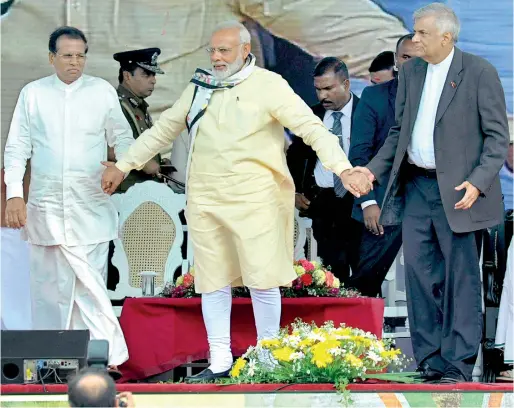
(373, 118)
(336, 233)
(445, 151)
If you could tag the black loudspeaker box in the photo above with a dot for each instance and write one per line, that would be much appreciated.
(41, 350)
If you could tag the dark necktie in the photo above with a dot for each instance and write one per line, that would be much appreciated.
(337, 129)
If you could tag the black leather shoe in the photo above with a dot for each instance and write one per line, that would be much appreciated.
(452, 376)
(427, 373)
(207, 376)
(115, 374)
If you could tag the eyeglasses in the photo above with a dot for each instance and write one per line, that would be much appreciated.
(221, 50)
(69, 57)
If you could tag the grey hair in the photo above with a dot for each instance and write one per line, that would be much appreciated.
(244, 34)
(446, 20)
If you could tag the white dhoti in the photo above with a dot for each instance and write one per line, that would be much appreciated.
(505, 328)
(16, 313)
(69, 293)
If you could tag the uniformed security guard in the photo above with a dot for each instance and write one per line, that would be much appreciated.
(136, 82)
(138, 69)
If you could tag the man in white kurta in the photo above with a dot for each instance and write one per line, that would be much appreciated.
(240, 207)
(63, 123)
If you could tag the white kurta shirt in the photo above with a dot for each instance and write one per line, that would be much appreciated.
(421, 147)
(64, 130)
(325, 178)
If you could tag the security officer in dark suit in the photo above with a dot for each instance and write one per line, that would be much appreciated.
(138, 69)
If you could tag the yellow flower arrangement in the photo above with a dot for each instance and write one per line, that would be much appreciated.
(306, 353)
(238, 366)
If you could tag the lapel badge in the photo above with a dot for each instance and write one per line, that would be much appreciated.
(453, 84)
(133, 102)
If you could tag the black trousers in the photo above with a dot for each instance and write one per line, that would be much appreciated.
(442, 277)
(336, 232)
(509, 224)
(376, 255)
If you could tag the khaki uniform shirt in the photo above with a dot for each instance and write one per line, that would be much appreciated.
(135, 110)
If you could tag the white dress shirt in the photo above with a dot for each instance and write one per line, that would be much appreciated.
(64, 130)
(421, 147)
(325, 178)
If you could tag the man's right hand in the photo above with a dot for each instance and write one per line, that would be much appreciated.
(111, 178)
(371, 217)
(16, 213)
(301, 202)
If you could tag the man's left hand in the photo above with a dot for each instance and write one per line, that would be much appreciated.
(470, 196)
(111, 178)
(356, 183)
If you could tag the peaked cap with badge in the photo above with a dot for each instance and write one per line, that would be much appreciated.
(145, 58)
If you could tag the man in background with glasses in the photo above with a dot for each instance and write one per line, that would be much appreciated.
(63, 124)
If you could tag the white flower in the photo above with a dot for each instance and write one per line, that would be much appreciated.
(292, 341)
(340, 337)
(248, 352)
(336, 351)
(297, 356)
(316, 336)
(374, 356)
(252, 365)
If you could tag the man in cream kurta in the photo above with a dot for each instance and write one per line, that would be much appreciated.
(240, 205)
(63, 123)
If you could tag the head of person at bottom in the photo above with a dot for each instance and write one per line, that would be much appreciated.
(436, 30)
(382, 68)
(332, 83)
(228, 49)
(138, 69)
(92, 388)
(67, 52)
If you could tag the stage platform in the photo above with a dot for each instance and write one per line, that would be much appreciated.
(276, 395)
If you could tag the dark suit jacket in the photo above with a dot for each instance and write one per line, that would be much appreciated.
(301, 159)
(371, 123)
(471, 138)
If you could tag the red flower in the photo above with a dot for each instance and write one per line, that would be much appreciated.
(306, 265)
(306, 279)
(188, 280)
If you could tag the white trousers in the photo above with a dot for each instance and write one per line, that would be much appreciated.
(69, 293)
(16, 311)
(216, 308)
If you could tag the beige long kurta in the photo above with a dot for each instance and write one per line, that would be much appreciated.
(240, 207)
